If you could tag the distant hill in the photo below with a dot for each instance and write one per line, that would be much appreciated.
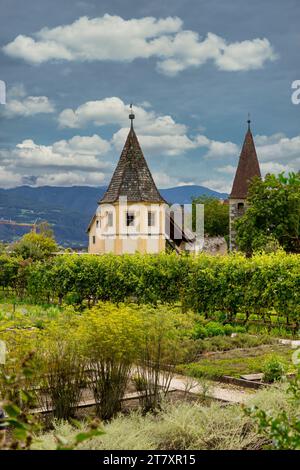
(69, 209)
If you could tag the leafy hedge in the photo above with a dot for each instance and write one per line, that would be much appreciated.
(234, 285)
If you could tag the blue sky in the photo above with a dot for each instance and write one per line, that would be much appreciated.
(193, 70)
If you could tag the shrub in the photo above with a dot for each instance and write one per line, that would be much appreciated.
(61, 371)
(111, 336)
(274, 370)
(163, 345)
(186, 426)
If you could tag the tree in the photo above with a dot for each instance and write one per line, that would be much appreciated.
(216, 216)
(36, 245)
(272, 218)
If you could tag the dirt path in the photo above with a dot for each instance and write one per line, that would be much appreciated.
(226, 393)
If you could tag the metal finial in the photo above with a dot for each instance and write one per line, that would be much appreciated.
(131, 115)
(249, 121)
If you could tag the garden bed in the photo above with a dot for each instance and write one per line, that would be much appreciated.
(235, 363)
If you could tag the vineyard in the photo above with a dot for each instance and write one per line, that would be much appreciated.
(263, 288)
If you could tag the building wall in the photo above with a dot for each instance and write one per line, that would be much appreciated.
(118, 238)
(234, 213)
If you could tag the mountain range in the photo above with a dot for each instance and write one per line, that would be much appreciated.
(69, 209)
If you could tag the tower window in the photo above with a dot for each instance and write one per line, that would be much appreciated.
(97, 224)
(94, 239)
(130, 219)
(110, 219)
(151, 218)
(240, 206)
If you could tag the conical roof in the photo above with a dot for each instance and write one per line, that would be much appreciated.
(248, 168)
(132, 177)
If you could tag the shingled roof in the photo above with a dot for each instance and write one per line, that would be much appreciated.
(248, 168)
(132, 177)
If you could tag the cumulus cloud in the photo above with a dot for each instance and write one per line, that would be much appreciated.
(70, 178)
(113, 110)
(158, 134)
(164, 180)
(21, 104)
(80, 160)
(217, 184)
(278, 147)
(116, 39)
(216, 149)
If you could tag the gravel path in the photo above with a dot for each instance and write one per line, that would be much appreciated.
(226, 393)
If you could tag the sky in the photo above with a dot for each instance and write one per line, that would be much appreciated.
(193, 70)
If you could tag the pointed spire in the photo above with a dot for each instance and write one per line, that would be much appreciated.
(248, 167)
(132, 177)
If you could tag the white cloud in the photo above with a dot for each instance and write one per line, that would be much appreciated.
(115, 39)
(227, 169)
(278, 147)
(157, 134)
(275, 167)
(217, 149)
(164, 180)
(70, 178)
(81, 153)
(168, 144)
(9, 179)
(113, 110)
(216, 184)
(20, 104)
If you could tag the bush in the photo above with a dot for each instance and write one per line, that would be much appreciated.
(61, 367)
(164, 343)
(274, 370)
(111, 337)
(183, 426)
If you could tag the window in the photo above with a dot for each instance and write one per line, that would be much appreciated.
(94, 239)
(130, 219)
(110, 219)
(151, 219)
(240, 206)
(97, 224)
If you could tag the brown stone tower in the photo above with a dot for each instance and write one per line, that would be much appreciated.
(248, 168)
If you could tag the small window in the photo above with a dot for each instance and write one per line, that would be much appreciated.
(110, 219)
(240, 206)
(94, 239)
(97, 223)
(130, 219)
(151, 219)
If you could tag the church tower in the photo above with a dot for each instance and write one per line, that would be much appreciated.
(248, 168)
(131, 214)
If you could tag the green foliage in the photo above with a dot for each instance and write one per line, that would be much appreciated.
(216, 216)
(238, 287)
(61, 367)
(35, 245)
(273, 216)
(111, 338)
(236, 364)
(282, 428)
(164, 343)
(226, 343)
(183, 426)
(209, 329)
(273, 370)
